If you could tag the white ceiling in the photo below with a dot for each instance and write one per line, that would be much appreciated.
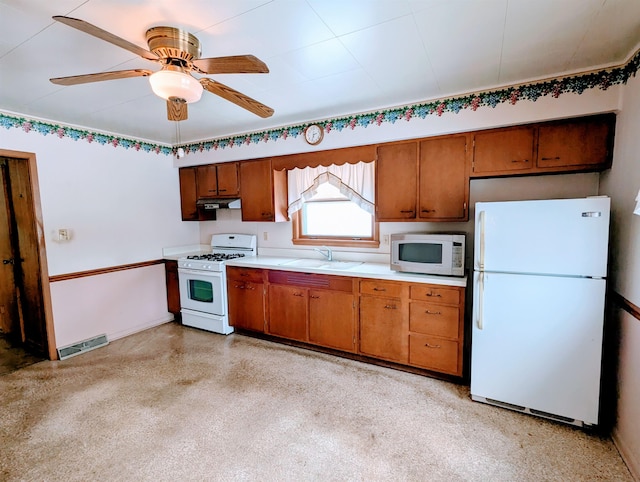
(327, 58)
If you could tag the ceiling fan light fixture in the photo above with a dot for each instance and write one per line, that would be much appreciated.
(176, 84)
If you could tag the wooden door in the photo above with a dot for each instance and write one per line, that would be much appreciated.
(28, 305)
(444, 179)
(9, 324)
(206, 181)
(188, 196)
(288, 312)
(331, 319)
(503, 151)
(228, 179)
(583, 142)
(383, 331)
(246, 305)
(396, 181)
(256, 189)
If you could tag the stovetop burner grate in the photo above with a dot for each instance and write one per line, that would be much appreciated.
(216, 256)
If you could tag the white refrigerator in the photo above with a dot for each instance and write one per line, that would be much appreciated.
(539, 279)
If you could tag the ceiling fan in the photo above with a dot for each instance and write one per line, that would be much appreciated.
(178, 52)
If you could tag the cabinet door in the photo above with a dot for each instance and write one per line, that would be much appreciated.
(207, 181)
(188, 195)
(503, 151)
(583, 142)
(331, 319)
(246, 305)
(288, 312)
(256, 190)
(396, 181)
(228, 179)
(383, 331)
(173, 287)
(444, 180)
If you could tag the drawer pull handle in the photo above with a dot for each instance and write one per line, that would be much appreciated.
(407, 211)
(314, 297)
(240, 287)
(519, 160)
(428, 210)
(297, 294)
(379, 289)
(432, 346)
(433, 312)
(435, 295)
(244, 274)
(390, 307)
(557, 158)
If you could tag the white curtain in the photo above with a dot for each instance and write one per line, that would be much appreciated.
(355, 181)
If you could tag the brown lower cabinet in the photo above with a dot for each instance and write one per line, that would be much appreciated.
(246, 298)
(414, 324)
(312, 308)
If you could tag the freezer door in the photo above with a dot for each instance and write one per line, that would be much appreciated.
(537, 343)
(561, 236)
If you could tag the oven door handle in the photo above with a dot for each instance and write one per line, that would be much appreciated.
(200, 272)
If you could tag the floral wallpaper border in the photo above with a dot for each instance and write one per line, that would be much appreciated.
(601, 79)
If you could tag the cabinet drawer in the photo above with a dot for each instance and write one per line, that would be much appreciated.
(435, 294)
(382, 288)
(433, 319)
(311, 280)
(244, 274)
(434, 353)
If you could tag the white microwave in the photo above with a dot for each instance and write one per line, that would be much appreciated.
(427, 253)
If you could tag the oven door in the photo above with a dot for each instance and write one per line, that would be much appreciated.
(202, 291)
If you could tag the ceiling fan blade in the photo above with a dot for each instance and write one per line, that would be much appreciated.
(176, 110)
(235, 64)
(99, 77)
(237, 98)
(107, 36)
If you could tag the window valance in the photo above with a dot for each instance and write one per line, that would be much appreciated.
(355, 181)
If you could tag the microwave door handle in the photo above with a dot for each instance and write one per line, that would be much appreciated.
(482, 233)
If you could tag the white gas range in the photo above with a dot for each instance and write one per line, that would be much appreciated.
(203, 282)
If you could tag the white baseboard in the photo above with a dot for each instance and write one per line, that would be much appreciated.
(629, 458)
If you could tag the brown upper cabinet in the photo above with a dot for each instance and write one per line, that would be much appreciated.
(396, 182)
(212, 180)
(218, 180)
(582, 144)
(504, 150)
(263, 191)
(443, 190)
(423, 181)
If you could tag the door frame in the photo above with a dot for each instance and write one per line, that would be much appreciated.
(30, 159)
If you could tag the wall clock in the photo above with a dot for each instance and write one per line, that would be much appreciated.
(313, 134)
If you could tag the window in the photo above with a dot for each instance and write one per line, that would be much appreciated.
(333, 205)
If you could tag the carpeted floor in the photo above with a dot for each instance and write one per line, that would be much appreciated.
(175, 403)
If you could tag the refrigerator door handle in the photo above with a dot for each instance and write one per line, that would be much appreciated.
(480, 313)
(482, 233)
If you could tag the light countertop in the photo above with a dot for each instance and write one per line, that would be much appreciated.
(363, 270)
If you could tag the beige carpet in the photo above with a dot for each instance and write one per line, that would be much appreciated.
(175, 403)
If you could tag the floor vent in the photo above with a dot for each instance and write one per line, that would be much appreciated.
(82, 347)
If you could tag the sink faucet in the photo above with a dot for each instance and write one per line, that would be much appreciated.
(328, 254)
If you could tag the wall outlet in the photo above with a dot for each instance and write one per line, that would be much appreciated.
(63, 234)
(385, 239)
(265, 236)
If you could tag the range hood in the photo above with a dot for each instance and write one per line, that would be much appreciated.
(209, 203)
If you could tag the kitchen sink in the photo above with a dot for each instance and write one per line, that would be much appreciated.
(321, 264)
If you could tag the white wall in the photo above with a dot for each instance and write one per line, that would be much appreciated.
(622, 183)
(121, 206)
